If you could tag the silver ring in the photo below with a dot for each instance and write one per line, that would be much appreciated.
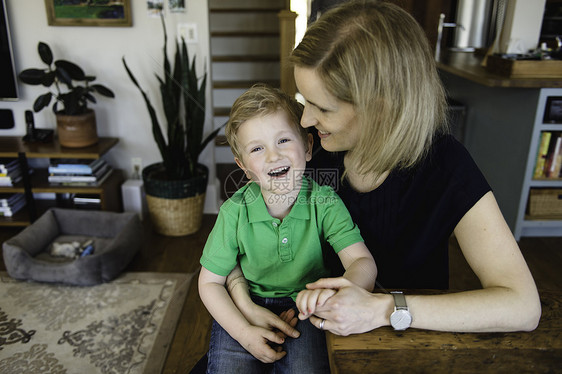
(322, 324)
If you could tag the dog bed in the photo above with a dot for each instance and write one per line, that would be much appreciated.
(114, 238)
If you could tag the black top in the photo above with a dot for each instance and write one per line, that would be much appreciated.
(407, 221)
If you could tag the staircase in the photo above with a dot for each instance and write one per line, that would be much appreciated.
(245, 45)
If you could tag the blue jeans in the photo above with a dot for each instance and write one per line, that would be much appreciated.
(305, 354)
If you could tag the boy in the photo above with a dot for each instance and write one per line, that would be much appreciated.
(274, 228)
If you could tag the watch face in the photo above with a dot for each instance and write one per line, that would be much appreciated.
(401, 319)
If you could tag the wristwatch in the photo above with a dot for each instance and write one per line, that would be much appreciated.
(401, 318)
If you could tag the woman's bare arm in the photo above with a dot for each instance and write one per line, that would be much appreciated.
(508, 301)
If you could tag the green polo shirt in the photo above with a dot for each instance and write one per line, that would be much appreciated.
(278, 258)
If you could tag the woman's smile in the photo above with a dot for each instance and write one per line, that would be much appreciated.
(323, 134)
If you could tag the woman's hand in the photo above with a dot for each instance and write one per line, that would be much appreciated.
(352, 310)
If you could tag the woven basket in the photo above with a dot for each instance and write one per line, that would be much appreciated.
(545, 202)
(176, 217)
(175, 206)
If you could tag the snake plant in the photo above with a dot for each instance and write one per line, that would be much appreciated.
(183, 102)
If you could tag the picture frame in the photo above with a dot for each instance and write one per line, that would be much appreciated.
(114, 13)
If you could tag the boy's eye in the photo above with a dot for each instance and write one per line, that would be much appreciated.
(255, 149)
(284, 140)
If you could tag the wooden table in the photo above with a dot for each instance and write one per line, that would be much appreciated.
(419, 351)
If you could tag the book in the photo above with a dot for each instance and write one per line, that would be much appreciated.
(541, 154)
(96, 183)
(73, 177)
(87, 202)
(68, 172)
(9, 211)
(554, 163)
(12, 177)
(8, 166)
(75, 166)
(9, 181)
(8, 163)
(10, 199)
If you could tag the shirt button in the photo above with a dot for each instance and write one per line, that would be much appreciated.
(284, 241)
(275, 224)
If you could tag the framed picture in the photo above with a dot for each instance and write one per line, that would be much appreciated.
(88, 12)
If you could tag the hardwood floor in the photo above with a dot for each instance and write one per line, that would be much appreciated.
(181, 254)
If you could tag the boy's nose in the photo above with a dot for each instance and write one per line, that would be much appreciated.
(272, 155)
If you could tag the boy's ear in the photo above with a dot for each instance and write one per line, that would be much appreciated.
(241, 166)
(309, 150)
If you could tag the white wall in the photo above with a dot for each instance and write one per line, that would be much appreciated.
(522, 26)
(98, 50)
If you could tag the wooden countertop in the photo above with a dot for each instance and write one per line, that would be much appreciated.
(468, 65)
(387, 351)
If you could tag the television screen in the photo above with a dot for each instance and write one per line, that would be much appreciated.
(8, 88)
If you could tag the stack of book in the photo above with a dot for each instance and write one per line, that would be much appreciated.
(86, 202)
(10, 204)
(10, 172)
(549, 156)
(78, 172)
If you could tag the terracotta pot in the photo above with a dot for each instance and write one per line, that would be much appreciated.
(78, 130)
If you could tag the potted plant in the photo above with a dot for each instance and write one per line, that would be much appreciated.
(176, 187)
(76, 123)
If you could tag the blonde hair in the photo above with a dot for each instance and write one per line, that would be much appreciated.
(375, 56)
(261, 100)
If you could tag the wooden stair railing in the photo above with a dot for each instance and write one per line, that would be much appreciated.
(286, 45)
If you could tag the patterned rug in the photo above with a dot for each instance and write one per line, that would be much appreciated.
(124, 326)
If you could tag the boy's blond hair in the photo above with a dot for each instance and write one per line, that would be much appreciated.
(375, 56)
(261, 100)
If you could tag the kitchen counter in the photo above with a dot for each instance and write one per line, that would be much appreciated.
(468, 65)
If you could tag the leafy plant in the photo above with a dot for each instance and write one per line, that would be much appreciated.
(58, 73)
(183, 101)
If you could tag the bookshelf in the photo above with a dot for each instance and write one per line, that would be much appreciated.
(537, 225)
(15, 147)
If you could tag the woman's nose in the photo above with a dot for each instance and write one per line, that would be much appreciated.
(307, 119)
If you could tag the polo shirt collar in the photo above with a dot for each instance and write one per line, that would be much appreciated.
(257, 210)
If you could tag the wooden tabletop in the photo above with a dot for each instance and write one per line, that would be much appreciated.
(420, 351)
(469, 66)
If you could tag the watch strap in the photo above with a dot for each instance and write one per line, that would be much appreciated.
(399, 300)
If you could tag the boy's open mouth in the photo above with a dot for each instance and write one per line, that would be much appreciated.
(279, 172)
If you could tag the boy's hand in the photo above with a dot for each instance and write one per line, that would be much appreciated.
(256, 340)
(309, 300)
(289, 317)
(283, 325)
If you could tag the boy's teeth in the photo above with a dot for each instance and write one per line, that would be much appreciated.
(278, 171)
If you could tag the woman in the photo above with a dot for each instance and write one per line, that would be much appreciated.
(373, 94)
